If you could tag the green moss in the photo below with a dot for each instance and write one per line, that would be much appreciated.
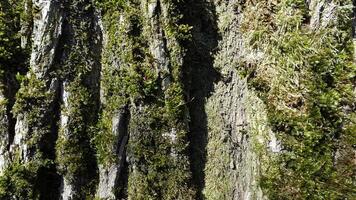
(120, 80)
(18, 182)
(9, 31)
(305, 80)
(73, 157)
(159, 166)
(219, 182)
(79, 76)
(161, 169)
(12, 57)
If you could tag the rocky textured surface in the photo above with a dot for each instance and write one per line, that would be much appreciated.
(4, 136)
(109, 176)
(46, 31)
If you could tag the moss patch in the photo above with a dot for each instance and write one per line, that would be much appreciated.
(305, 80)
(159, 165)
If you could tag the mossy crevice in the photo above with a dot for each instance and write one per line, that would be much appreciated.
(199, 76)
(134, 77)
(78, 69)
(14, 61)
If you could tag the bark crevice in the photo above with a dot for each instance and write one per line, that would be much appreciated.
(200, 76)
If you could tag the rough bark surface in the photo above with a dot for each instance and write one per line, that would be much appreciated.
(177, 99)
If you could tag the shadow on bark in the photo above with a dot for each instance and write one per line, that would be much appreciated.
(199, 77)
(122, 178)
(354, 19)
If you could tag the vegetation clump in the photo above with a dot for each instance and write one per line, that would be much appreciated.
(17, 180)
(305, 77)
(133, 78)
(78, 72)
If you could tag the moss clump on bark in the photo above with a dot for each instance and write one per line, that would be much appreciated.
(131, 76)
(16, 180)
(79, 72)
(305, 79)
(13, 58)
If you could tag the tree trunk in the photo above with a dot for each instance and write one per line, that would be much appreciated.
(177, 99)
